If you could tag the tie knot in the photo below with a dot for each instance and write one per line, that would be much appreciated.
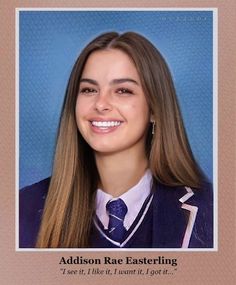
(117, 208)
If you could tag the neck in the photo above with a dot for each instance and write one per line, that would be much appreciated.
(120, 172)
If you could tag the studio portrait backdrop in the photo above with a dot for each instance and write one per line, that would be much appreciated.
(49, 43)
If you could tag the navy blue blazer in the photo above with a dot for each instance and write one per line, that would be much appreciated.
(182, 217)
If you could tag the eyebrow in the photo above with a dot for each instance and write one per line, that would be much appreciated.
(114, 81)
(91, 81)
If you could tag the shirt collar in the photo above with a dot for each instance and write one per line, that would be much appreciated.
(133, 198)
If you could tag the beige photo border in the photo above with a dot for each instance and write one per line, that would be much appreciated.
(217, 267)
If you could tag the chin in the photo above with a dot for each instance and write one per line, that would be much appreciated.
(104, 149)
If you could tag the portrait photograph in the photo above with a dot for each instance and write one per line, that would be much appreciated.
(116, 129)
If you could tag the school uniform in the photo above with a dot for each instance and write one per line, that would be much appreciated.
(162, 216)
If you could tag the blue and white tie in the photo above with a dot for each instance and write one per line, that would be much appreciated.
(117, 210)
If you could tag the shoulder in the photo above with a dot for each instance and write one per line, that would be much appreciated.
(31, 204)
(184, 206)
(34, 192)
(32, 198)
(203, 231)
(202, 198)
(180, 194)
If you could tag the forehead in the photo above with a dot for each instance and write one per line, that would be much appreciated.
(110, 61)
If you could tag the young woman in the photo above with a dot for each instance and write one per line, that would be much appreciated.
(124, 174)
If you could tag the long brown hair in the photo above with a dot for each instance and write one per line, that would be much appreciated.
(70, 202)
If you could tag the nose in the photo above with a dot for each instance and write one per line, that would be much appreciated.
(103, 103)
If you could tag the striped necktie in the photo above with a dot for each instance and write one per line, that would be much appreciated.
(117, 210)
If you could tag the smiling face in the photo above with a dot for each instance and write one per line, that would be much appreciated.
(112, 113)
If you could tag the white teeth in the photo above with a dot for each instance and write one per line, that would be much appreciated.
(106, 124)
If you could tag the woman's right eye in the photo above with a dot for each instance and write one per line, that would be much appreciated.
(87, 91)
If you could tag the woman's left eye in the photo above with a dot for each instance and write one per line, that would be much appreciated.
(124, 91)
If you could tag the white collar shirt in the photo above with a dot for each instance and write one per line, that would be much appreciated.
(133, 198)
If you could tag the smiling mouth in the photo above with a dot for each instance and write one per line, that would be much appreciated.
(105, 124)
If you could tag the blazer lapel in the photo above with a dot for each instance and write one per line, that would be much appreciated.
(173, 219)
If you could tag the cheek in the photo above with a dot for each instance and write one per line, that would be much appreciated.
(80, 111)
(131, 107)
(139, 112)
(82, 107)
